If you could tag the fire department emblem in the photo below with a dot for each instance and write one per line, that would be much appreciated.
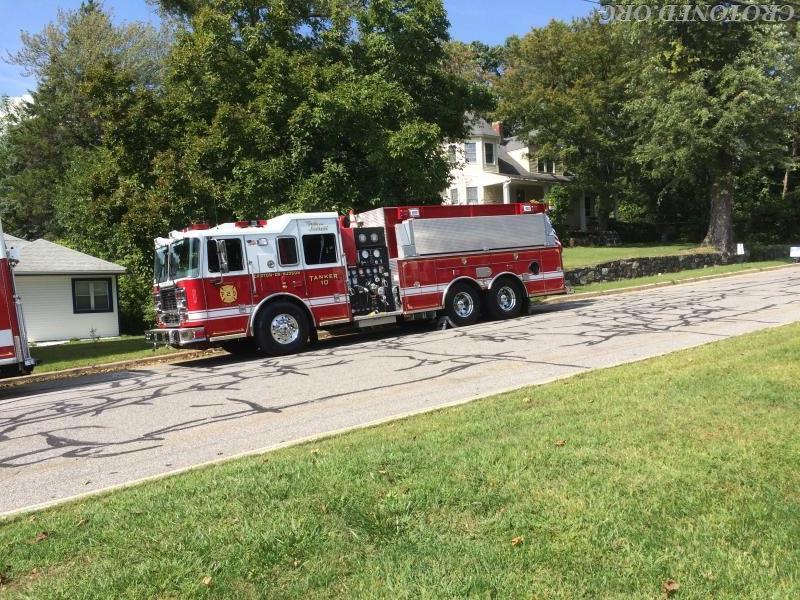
(228, 294)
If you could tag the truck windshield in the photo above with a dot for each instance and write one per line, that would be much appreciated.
(160, 273)
(177, 261)
(184, 259)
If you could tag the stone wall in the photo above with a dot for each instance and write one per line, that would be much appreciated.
(644, 267)
(774, 252)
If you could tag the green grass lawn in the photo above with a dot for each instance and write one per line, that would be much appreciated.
(84, 354)
(582, 257)
(605, 485)
(676, 277)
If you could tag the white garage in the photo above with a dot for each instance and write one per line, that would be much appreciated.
(66, 294)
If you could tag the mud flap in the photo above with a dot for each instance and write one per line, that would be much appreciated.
(444, 323)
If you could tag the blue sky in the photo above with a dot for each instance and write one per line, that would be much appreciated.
(489, 21)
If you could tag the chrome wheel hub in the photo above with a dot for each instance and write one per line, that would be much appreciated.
(506, 298)
(463, 305)
(284, 329)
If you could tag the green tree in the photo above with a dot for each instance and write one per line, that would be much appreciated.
(564, 88)
(68, 175)
(280, 106)
(710, 103)
(475, 62)
(63, 117)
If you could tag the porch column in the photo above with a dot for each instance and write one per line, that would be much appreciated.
(507, 192)
(583, 211)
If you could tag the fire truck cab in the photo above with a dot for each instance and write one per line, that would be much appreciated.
(270, 285)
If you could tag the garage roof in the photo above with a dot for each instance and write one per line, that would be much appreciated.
(41, 257)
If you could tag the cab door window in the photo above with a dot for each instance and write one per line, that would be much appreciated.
(235, 256)
(320, 249)
(287, 252)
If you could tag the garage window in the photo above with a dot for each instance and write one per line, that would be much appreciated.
(92, 296)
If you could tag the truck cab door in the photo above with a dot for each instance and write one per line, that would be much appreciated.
(229, 296)
(325, 269)
(275, 265)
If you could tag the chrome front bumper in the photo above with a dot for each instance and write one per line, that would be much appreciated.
(176, 337)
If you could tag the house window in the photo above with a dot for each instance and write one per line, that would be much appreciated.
(451, 154)
(471, 152)
(287, 252)
(233, 248)
(520, 195)
(320, 249)
(92, 296)
(488, 150)
(472, 195)
(453, 195)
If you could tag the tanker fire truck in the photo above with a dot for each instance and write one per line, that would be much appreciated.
(15, 357)
(271, 285)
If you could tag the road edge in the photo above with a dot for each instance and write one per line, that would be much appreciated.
(651, 286)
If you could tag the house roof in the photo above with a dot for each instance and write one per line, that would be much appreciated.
(41, 257)
(506, 168)
(482, 128)
(513, 143)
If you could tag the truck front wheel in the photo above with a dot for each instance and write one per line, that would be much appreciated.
(282, 328)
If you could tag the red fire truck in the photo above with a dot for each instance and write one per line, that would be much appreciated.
(271, 285)
(15, 357)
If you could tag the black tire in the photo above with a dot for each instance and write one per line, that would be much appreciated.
(19, 370)
(463, 304)
(240, 347)
(282, 328)
(506, 299)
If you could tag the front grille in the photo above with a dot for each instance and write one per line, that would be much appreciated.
(172, 319)
(168, 299)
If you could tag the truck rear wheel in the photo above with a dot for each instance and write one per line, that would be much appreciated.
(506, 299)
(463, 304)
(282, 328)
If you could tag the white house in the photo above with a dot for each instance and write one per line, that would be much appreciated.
(488, 168)
(65, 294)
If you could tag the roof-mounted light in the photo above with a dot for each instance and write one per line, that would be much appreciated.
(197, 227)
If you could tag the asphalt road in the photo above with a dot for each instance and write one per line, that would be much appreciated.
(62, 439)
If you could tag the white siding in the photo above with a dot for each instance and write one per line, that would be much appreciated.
(49, 316)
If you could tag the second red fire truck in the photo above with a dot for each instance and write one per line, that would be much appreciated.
(15, 357)
(272, 284)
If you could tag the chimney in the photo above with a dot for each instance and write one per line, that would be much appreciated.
(497, 126)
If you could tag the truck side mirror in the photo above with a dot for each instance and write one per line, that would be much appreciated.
(222, 257)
